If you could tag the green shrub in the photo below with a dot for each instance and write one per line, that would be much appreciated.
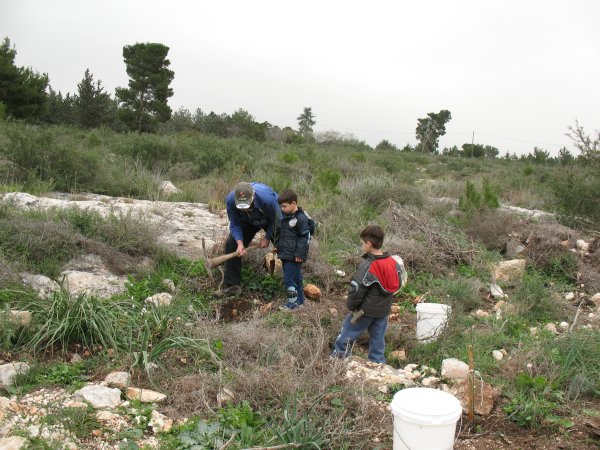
(328, 179)
(578, 196)
(300, 428)
(473, 200)
(289, 157)
(269, 286)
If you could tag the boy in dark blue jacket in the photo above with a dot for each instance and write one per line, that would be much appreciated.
(371, 291)
(291, 243)
(251, 207)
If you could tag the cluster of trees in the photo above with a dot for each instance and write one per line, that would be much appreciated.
(89, 107)
(142, 106)
(27, 95)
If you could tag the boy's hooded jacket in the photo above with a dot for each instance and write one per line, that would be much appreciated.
(292, 236)
(373, 285)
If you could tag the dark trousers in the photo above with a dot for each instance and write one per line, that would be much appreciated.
(233, 267)
(292, 280)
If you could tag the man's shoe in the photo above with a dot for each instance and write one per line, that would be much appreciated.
(229, 291)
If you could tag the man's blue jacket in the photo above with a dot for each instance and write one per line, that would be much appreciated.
(265, 212)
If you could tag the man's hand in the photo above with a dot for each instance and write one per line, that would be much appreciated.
(264, 243)
(297, 259)
(241, 250)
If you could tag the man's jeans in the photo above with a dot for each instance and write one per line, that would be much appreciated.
(376, 327)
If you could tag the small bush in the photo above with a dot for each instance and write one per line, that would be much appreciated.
(65, 320)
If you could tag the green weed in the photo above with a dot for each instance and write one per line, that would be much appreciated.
(534, 402)
(79, 422)
(65, 320)
(300, 428)
(282, 319)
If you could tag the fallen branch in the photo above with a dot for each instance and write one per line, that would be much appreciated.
(228, 443)
(576, 315)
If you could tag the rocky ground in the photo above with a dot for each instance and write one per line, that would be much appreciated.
(116, 403)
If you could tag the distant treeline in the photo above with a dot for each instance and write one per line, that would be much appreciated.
(142, 106)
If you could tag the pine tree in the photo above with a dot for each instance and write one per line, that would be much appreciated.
(93, 106)
(144, 102)
(306, 120)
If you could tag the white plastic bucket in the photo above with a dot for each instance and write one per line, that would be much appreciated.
(425, 419)
(431, 320)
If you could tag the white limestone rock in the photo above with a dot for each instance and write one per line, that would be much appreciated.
(99, 396)
(454, 369)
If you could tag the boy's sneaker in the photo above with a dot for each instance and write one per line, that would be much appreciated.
(229, 291)
(288, 306)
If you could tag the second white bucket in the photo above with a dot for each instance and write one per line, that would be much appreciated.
(431, 320)
(424, 419)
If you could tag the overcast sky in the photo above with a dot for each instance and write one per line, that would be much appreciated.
(515, 72)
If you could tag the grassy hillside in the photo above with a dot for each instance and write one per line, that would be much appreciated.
(278, 366)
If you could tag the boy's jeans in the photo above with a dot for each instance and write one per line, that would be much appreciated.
(292, 280)
(350, 333)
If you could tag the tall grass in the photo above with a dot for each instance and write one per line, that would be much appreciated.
(65, 320)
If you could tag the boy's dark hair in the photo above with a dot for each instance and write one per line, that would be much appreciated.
(288, 196)
(374, 234)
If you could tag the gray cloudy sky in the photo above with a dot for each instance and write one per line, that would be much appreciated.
(516, 72)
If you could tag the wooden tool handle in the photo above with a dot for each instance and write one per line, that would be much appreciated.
(218, 260)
